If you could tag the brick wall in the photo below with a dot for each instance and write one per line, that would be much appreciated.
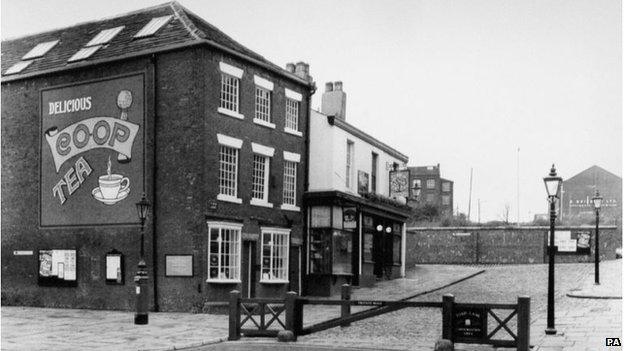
(184, 89)
(476, 245)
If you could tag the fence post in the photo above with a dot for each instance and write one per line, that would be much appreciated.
(234, 325)
(291, 313)
(448, 300)
(345, 308)
(524, 320)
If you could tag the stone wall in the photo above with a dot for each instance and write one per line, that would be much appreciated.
(498, 245)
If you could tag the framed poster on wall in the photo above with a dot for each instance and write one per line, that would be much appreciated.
(115, 268)
(57, 268)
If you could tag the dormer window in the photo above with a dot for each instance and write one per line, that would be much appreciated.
(40, 50)
(153, 26)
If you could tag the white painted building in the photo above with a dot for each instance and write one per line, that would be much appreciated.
(355, 231)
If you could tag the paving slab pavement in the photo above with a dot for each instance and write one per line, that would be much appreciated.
(32, 328)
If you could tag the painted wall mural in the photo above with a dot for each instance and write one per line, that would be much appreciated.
(92, 152)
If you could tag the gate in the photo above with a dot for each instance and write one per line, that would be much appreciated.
(461, 322)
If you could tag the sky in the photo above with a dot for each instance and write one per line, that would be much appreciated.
(503, 87)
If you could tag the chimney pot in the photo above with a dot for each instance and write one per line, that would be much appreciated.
(301, 70)
(329, 86)
(338, 86)
(290, 67)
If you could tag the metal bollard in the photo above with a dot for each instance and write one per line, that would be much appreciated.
(142, 298)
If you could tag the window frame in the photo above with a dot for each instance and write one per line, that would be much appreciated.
(226, 142)
(294, 159)
(234, 74)
(286, 268)
(431, 183)
(294, 98)
(231, 226)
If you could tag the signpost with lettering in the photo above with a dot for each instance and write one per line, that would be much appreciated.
(92, 151)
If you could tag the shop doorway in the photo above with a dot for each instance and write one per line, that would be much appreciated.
(250, 269)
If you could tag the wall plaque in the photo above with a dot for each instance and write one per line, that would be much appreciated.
(469, 323)
(179, 265)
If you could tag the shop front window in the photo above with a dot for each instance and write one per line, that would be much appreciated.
(332, 229)
(275, 243)
(341, 243)
(224, 252)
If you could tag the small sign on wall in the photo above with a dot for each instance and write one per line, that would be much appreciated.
(470, 323)
(179, 265)
(114, 268)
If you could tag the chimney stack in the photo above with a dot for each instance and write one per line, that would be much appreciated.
(302, 70)
(334, 100)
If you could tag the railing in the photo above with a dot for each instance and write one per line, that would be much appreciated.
(461, 322)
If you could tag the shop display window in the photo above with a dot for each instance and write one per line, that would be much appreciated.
(224, 252)
(331, 239)
(342, 247)
(275, 243)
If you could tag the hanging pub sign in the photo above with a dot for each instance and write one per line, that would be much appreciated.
(92, 151)
(399, 184)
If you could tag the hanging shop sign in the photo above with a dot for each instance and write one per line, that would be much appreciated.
(92, 151)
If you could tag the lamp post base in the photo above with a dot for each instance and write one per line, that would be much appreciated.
(550, 331)
(141, 318)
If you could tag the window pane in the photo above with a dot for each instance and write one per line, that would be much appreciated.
(341, 252)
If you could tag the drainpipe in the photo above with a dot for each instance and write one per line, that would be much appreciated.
(154, 188)
(306, 185)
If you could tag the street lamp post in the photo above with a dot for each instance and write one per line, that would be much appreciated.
(141, 315)
(553, 187)
(597, 203)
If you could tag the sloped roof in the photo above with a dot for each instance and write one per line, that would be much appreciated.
(184, 29)
(594, 170)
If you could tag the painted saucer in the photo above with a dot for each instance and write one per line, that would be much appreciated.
(97, 194)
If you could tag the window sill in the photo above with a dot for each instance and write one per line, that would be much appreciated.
(256, 202)
(228, 198)
(290, 208)
(223, 281)
(264, 123)
(274, 281)
(293, 132)
(230, 113)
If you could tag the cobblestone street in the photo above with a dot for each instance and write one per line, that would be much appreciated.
(415, 328)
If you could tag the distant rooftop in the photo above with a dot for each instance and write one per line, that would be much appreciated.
(159, 28)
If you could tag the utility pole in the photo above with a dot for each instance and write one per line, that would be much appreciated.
(470, 194)
(518, 179)
(479, 218)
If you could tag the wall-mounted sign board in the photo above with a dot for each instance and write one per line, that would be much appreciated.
(57, 268)
(115, 268)
(179, 265)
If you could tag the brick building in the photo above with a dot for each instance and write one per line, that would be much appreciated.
(576, 205)
(427, 187)
(356, 232)
(156, 102)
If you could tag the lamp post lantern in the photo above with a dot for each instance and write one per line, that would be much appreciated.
(553, 188)
(597, 199)
(141, 315)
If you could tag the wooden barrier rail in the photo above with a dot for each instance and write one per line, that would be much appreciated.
(461, 322)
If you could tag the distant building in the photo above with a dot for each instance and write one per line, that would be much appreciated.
(356, 232)
(427, 187)
(576, 197)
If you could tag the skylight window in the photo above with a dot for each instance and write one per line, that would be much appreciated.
(105, 36)
(40, 50)
(18, 67)
(84, 53)
(154, 25)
